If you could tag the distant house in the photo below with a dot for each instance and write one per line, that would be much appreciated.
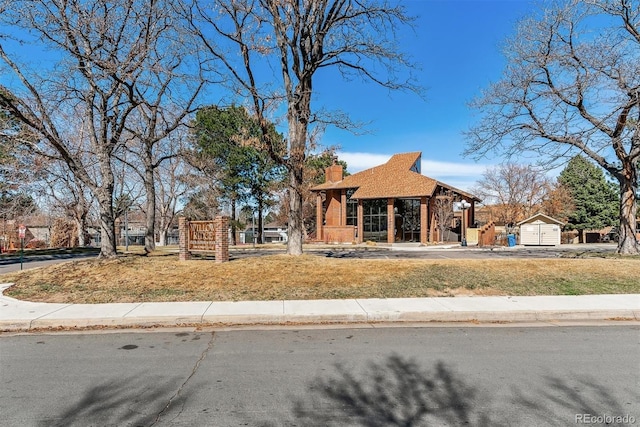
(37, 228)
(389, 203)
(272, 233)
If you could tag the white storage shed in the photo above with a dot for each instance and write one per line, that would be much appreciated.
(540, 230)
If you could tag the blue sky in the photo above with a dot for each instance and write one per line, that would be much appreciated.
(458, 44)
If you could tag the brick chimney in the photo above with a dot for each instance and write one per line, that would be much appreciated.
(334, 173)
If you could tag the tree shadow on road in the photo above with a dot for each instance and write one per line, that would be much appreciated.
(119, 403)
(560, 402)
(396, 392)
(399, 392)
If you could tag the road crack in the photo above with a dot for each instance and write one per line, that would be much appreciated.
(184, 384)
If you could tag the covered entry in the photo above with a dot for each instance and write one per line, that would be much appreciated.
(407, 220)
(540, 230)
(389, 203)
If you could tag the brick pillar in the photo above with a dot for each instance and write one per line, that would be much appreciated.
(319, 217)
(391, 222)
(183, 228)
(424, 211)
(221, 225)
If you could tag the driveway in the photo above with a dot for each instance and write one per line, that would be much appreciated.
(439, 252)
(11, 263)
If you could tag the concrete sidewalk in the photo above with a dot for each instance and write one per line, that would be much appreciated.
(18, 315)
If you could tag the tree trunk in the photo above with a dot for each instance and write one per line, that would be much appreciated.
(81, 229)
(81, 234)
(294, 228)
(150, 218)
(162, 231)
(107, 223)
(233, 222)
(627, 240)
(260, 220)
(297, 138)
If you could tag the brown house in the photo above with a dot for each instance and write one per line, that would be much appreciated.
(389, 203)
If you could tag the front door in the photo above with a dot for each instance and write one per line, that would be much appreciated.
(407, 220)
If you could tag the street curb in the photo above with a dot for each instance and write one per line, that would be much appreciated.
(347, 318)
(16, 315)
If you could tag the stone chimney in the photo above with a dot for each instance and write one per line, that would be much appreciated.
(334, 173)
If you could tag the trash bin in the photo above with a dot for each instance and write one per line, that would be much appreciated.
(511, 240)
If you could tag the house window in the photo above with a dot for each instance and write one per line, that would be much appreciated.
(352, 208)
(375, 220)
(416, 167)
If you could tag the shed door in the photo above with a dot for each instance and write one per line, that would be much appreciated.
(540, 234)
(549, 234)
(530, 234)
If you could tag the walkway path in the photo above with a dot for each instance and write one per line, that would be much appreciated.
(18, 315)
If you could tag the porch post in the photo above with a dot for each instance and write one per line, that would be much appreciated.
(424, 211)
(343, 208)
(391, 222)
(432, 221)
(360, 213)
(319, 218)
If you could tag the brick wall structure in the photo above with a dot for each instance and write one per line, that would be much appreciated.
(221, 245)
(339, 234)
(221, 224)
(183, 229)
(398, 179)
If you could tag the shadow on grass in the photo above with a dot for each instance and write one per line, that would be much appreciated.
(118, 403)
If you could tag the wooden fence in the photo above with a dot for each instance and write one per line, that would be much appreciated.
(487, 234)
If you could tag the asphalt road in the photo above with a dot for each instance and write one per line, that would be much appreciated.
(10, 264)
(480, 376)
(456, 252)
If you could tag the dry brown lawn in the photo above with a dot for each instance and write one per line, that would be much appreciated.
(274, 277)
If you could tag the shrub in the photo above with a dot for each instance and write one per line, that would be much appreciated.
(36, 244)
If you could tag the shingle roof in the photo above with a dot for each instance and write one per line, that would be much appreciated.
(542, 217)
(392, 179)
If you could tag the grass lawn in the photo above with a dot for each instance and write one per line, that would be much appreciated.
(134, 278)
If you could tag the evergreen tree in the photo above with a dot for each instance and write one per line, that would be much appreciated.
(229, 142)
(596, 200)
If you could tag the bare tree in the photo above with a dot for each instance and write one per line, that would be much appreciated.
(172, 184)
(572, 84)
(103, 53)
(515, 191)
(300, 38)
(69, 196)
(558, 204)
(167, 96)
(443, 212)
(19, 168)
